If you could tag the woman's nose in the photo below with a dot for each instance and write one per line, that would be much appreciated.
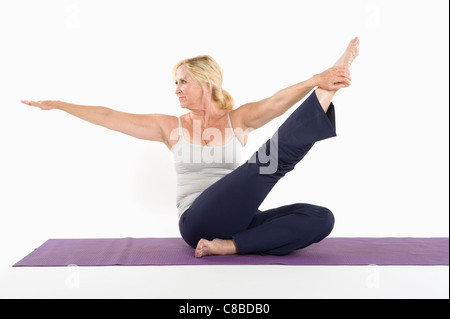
(178, 90)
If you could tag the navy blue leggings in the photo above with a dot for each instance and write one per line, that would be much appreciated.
(228, 209)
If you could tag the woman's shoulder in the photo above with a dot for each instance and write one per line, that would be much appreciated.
(236, 117)
(166, 121)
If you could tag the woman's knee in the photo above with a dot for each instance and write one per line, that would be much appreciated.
(328, 221)
(324, 219)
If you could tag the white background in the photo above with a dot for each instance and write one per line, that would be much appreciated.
(385, 174)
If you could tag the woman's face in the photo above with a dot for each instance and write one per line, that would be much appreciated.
(189, 92)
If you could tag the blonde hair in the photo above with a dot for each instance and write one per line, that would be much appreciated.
(204, 70)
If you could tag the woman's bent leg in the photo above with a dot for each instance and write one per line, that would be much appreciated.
(282, 230)
(229, 206)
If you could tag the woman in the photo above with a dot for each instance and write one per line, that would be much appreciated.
(217, 198)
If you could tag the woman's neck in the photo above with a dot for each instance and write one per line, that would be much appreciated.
(207, 116)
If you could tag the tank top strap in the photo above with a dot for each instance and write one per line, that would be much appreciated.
(180, 129)
(229, 122)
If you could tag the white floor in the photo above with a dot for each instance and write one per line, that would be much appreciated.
(255, 282)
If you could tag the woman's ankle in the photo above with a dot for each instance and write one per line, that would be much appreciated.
(325, 97)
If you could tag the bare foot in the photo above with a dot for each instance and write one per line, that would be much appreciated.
(326, 93)
(215, 247)
(350, 53)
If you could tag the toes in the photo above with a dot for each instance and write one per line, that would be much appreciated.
(200, 251)
(355, 41)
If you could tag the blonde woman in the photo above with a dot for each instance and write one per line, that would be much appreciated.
(217, 197)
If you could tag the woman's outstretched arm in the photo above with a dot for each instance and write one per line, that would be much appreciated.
(254, 115)
(153, 127)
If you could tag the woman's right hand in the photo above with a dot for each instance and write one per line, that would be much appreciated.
(333, 79)
(43, 105)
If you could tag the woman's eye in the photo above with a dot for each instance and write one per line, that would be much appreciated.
(182, 82)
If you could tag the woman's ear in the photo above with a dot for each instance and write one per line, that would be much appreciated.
(208, 87)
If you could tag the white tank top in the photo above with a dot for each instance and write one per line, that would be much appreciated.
(198, 166)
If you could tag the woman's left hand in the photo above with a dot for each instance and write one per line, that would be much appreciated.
(333, 79)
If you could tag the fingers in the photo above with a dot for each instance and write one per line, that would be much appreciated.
(43, 105)
(340, 85)
(340, 74)
(31, 103)
(346, 81)
(343, 77)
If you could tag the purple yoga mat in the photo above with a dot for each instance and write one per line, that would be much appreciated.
(174, 251)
